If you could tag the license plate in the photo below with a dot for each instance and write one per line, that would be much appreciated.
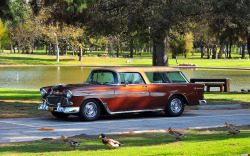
(50, 108)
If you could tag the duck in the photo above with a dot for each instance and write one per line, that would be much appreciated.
(175, 134)
(231, 129)
(73, 143)
(110, 142)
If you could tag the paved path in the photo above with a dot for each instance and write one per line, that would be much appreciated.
(26, 129)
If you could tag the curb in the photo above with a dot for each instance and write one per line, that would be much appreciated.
(219, 106)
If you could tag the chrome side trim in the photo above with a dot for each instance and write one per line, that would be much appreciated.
(133, 111)
(202, 102)
(94, 94)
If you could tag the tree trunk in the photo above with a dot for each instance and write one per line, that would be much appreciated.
(208, 53)
(160, 51)
(202, 51)
(248, 44)
(18, 48)
(226, 52)
(131, 48)
(112, 50)
(243, 52)
(117, 51)
(11, 48)
(214, 56)
(149, 49)
(230, 48)
(73, 48)
(222, 47)
(80, 55)
(58, 52)
(50, 49)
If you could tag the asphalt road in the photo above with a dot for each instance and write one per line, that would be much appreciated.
(26, 129)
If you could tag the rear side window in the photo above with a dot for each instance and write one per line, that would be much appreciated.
(157, 77)
(176, 77)
(131, 78)
(166, 77)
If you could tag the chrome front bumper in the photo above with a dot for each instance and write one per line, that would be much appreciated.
(202, 102)
(59, 109)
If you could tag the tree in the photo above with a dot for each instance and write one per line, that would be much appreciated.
(4, 38)
(5, 11)
(229, 20)
(128, 18)
(181, 44)
(133, 18)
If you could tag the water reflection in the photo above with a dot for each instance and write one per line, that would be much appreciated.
(36, 77)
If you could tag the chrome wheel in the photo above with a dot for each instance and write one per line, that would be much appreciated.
(90, 110)
(176, 105)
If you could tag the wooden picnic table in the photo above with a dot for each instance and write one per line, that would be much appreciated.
(125, 55)
(223, 83)
(103, 54)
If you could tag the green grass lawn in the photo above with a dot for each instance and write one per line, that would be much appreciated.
(218, 98)
(14, 59)
(137, 54)
(197, 142)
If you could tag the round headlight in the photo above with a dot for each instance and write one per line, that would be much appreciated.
(43, 92)
(68, 94)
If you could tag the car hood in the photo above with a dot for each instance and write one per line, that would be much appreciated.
(75, 88)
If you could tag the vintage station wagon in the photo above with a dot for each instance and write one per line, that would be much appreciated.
(114, 90)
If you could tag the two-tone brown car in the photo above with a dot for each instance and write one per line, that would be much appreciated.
(114, 90)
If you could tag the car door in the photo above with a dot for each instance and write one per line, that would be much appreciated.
(132, 93)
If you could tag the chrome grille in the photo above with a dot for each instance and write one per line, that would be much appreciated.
(54, 100)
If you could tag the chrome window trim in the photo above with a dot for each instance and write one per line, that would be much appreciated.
(133, 111)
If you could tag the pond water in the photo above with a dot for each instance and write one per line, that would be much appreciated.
(36, 77)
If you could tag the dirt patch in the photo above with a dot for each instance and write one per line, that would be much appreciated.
(46, 129)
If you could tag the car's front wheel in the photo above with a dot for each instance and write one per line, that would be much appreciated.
(175, 106)
(90, 110)
(60, 115)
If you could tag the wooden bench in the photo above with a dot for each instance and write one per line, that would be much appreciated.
(103, 55)
(208, 85)
(222, 83)
(125, 55)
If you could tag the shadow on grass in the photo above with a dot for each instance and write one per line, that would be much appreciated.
(32, 61)
(19, 109)
(91, 143)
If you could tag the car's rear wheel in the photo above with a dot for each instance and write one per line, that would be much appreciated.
(175, 106)
(90, 110)
(60, 115)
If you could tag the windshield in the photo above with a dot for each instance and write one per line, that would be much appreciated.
(102, 77)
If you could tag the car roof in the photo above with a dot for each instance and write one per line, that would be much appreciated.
(139, 69)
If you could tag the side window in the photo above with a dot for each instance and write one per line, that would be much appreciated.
(157, 77)
(176, 77)
(131, 78)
